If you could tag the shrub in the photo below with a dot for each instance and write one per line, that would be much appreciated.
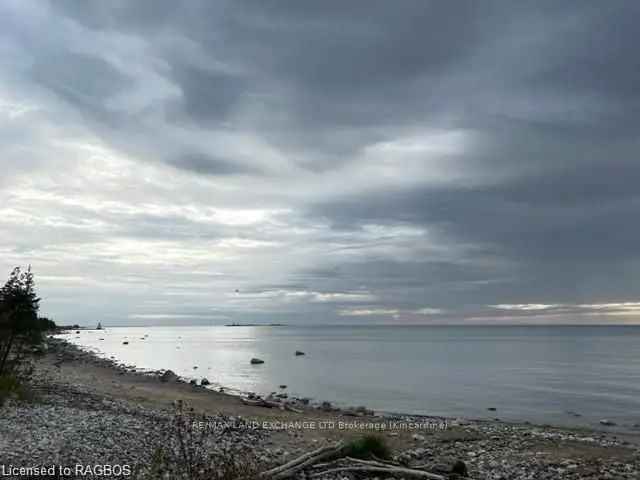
(367, 447)
(198, 454)
(10, 386)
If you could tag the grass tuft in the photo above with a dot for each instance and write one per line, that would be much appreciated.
(199, 454)
(369, 446)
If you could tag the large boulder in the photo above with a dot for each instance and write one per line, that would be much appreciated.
(168, 376)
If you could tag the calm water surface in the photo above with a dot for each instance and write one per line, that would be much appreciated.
(527, 373)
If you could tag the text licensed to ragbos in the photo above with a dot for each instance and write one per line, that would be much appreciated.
(17, 471)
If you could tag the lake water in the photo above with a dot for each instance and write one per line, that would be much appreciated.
(527, 373)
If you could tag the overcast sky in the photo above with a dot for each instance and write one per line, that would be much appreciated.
(323, 161)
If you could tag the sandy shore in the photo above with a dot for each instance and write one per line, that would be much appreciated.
(88, 410)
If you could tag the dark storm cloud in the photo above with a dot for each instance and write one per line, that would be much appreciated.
(341, 48)
(569, 213)
(440, 156)
(568, 236)
(207, 96)
(207, 165)
(331, 79)
(600, 57)
(85, 82)
(78, 77)
(122, 14)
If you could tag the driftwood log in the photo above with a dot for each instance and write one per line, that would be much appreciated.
(260, 402)
(294, 466)
(336, 453)
(392, 471)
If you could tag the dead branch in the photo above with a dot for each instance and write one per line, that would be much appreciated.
(392, 471)
(304, 461)
(260, 402)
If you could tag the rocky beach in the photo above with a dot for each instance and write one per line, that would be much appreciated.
(87, 411)
(322, 240)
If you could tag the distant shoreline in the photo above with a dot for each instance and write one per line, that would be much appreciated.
(256, 325)
(62, 328)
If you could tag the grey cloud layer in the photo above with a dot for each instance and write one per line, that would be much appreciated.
(443, 157)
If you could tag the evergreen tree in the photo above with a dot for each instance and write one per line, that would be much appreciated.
(19, 322)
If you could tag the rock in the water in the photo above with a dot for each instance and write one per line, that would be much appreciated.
(193, 382)
(299, 353)
(168, 376)
(204, 381)
(283, 386)
(195, 367)
(492, 409)
(608, 423)
(125, 343)
(256, 361)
